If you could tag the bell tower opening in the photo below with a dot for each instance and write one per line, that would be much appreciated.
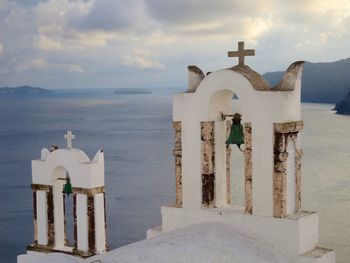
(235, 154)
(62, 217)
(224, 156)
(68, 217)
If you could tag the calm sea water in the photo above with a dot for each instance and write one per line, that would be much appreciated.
(136, 133)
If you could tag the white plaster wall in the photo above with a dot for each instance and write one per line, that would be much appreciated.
(291, 182)
(59, 214)
(83, 172)
(41, 213)
(262, 108)
(82, 222)
(100, 223)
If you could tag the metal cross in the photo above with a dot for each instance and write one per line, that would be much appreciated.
(69, 137)
(241, 53)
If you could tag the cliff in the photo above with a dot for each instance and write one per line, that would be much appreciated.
(23, 90)
(321, 82)
(343, 106)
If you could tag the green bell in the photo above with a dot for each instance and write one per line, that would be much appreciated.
(236, 132)
(67, 188)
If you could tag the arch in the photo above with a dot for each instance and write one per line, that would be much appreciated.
(215, 96)
(215, 92)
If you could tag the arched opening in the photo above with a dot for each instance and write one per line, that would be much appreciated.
(231, 177)
(62, 211)
(69, 219)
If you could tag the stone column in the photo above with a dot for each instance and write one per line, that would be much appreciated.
(228, 164)
(248, 169)
(35, 218)
(105, 216)
(50, 218)
(298, 156)
(90, 220)
(284, 133)
(177, 152)
(40, 213)
(81, 222)
(91, 224)
(208, 164)
(75, 248)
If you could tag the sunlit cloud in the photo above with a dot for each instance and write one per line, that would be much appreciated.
(113, 41)
(143, 59)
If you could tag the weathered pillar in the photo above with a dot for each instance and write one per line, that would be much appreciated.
(285, 133)
(100, 223)
(298, 155)
(208, 164)
(228, 164)
(248, 170)
(40, 214)
(35, 216)
(91, 224)
(50, 218)
(105, 217)
(177, 152)
(75, 248)
(81, 221)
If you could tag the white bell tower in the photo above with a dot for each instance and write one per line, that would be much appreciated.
(49, 175)
(272, 158)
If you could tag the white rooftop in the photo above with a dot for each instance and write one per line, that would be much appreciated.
(206, 242)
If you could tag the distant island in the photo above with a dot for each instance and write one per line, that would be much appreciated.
(132, 91)
(343, 106)
(23, 90)
(321, 82)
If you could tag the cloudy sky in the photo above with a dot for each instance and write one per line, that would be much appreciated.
(148, 43)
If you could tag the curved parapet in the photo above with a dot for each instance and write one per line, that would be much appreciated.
(83, 172)
(195, 76)
(286, 84)
(290, 77)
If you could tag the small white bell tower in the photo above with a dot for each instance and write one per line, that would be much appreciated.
(49, 175)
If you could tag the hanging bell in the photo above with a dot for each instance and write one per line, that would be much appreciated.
(236, 132)
(67, 188)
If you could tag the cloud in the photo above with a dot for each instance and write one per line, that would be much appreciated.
(110, 40)
(31, 64)
(46, 43)
(107, 15)
(142, 59)
(200, 11)
(75, 68)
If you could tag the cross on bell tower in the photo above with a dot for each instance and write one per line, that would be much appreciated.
(241, 53)
(69, 137)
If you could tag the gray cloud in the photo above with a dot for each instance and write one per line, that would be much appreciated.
(192, 11)
(104, 43)
(108, 15)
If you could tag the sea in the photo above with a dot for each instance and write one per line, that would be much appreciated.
(136, 134)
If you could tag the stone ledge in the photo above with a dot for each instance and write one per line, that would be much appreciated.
(318, 255)
(40, 187)
(288, 127)
(48, 249)
(89, 192)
